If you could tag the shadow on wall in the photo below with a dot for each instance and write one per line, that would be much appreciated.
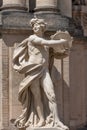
(62, 94)
(84, 128)
(32, 5)
(78, 2)
(0, 3)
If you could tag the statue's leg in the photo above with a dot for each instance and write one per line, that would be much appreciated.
(35, 89)
(48, 88)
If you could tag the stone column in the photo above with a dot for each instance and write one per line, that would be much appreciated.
(46, 5)
(14, 4)
(65, 7)
(86, 2)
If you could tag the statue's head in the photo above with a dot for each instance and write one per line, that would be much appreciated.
(38, 24)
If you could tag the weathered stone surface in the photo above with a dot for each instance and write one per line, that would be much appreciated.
(4, 87)
(43, 129)
(18, 20)
(84, 19)
(60, 22)
(20, 2)
(48, 3)
(17, 4)
(65, 7)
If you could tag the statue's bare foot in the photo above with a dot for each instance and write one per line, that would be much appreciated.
(41, 123)
(61, 125)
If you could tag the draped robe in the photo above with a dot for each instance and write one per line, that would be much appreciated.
(32, 72)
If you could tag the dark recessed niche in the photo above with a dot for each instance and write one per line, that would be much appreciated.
(78, 2)
(32, 5)
(1, 3)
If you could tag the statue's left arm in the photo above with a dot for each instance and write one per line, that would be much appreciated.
(40, 41)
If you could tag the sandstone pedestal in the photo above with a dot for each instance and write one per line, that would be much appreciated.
(39, 128)
(45, 128)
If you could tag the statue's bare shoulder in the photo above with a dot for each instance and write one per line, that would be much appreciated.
(35, 39)
(31, 38)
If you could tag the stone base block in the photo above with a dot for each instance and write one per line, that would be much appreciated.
(39, 128)
(44, 128)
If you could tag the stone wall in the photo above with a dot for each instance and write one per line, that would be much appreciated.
(71, 85)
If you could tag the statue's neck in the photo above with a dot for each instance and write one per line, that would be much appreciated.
(39, 34)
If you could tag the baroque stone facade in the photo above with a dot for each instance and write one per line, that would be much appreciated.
(71, 86)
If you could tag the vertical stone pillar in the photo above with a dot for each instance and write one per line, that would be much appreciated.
(84, 19)
(65, 7)
(14, 4)
(46, 5)
(4, 85)
(86, 2)
(66, 89)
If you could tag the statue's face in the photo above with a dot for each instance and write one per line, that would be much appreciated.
(39, 27)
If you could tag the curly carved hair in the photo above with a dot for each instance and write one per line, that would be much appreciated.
(38, 21)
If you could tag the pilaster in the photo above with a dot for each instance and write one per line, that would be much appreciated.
(4, 85)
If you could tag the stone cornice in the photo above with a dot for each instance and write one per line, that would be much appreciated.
(18, 22)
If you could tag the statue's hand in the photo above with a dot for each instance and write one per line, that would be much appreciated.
(62, 35)
(63, 49)
(64, 41)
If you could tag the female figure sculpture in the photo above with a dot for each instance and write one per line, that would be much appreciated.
(31, 57)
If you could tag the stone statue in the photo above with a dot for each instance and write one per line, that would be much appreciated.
(36, 91)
